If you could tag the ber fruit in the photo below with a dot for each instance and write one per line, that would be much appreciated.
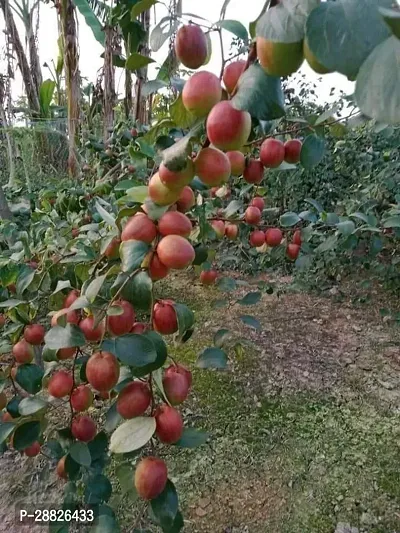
(272, 153)
(134, 399)
(254, 171)
(165, 320)
(175, 252)
(157, 270)
(208, 277)
(121, 324)
(23, 352)
(176, 387)
(92, 332)
(237, 161)
(151, 476)
(169, 424)
(232, 73)
(175, 180)
(292, 251)
(252, 215)
(212, 166)
(191, 46)
(81, 398)
(160, 193)
(32, 450)
(60, 384)
(174, 223)
(231, 231)
(258, 202)
(257, 238)
(139, 227)
(273, 237)
(201, 93)
(186, 199)
(83, 428)
(71, 297)
(219, 227)
(102, 371)
(293, 150)
(227, 127)
(34, 334)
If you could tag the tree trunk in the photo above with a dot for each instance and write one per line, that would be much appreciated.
(109, 81)
(5, 212)
(30, 87)
(72, 81)
(33, 52)
(4, 124)
(128, 102)
(141, 77)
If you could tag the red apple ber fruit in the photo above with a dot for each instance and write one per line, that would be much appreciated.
(81, 398)
(293, 150)
(254, 171)
(297, 237)
(102, 371)
(32, 450)
(157, 270)
(252, 215)
(191, 46)
(71, 297)
(273, 237)
(165, 320)
(257, 238)
(175, 252)
(134, 399)
(169, 424)
(292, 251)
(150, 477)
(179, 369)
(208, 277)
(231, 231)
(258, 202)
(176, 387)
(83, 428)
(272, 152)
(92, 332)
(60, 384)
(23, 352)
(122, 324)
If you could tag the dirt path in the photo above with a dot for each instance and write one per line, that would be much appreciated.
(304, 423)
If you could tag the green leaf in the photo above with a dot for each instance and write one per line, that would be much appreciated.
(30, 406)
(98, 446)
(235, 27)
(312, 151)
(259, 94)
(192, 438)
(315, 204)
(327, 245)
(145, 148)
(61, 285)
(80, 453)
(212, 358)
(232, 208)
(138, 290)
(91, 20)
(105, 215)
(98, 489)
(185, 317)
(153, 86)
(113, 418)
(326, 114)
(250, 298)
(131, 349)
(392, 222)
(285, 22)
(137, 61)
(342, 34)
(392, 19)
(226, 284)
(67, 337)
(175, 157)
(125, 474)
(161, 349)
(29, 377)
(164, 29)
(142, 5)
(132, 254)
(138, 194)
(346, 227)
(13, 406)
(180, 115)
(6, 428)
(251, 321)
(26, 434)
(46, 91)
(221, 336)
(94, 288)
(378, 83)
(165, 506)
(289, 219)
(105, 524)
(132, 434)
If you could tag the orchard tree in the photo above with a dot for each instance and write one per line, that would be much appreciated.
(91, 256)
